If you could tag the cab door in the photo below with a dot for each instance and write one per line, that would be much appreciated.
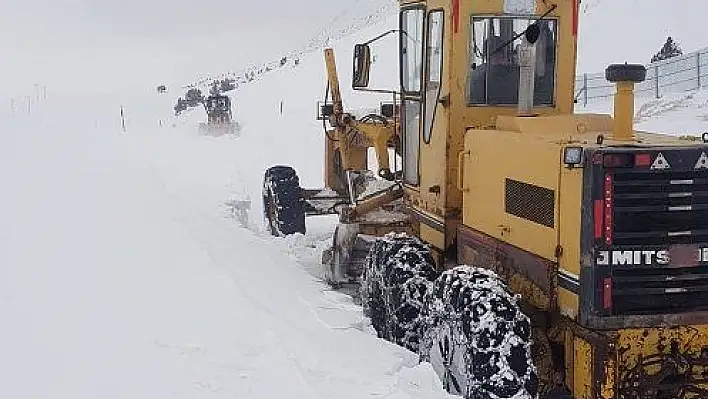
(425, 118)
(434, 130)
(412, 31)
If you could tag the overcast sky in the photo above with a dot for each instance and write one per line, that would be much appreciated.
(136, 41)
(634, 30)
(121, 44)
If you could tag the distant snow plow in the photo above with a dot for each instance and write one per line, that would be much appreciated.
(217, 106)
(219, 122)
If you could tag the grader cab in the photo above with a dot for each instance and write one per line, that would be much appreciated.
(523, 250)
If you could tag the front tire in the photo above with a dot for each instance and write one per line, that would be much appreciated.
(282, 201)
(476, 337)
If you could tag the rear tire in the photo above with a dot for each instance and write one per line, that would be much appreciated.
(398, 273)
(282, 201)
(476, 337)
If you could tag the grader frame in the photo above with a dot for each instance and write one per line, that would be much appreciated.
(540, 208)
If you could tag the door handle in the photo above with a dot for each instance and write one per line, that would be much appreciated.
(444, 100)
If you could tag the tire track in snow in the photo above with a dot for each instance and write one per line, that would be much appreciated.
(285, 323)
(178, 208)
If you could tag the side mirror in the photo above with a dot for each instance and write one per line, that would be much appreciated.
(362, 62)
(532, 33)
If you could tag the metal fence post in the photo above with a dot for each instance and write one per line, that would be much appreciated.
(698, 68)
(122, 118)
(656, 68)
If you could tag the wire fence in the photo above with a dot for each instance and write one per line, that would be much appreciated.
(677, 74)
(25, 104)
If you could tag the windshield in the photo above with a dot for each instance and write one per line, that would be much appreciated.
(494, 69)
(220, 103)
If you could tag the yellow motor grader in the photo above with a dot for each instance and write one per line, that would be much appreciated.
(219, 116)
(523, 250)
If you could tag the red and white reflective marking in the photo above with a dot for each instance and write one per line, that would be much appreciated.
(660, 162)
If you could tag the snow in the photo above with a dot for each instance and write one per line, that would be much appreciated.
(123, 272)
(364, 14)
(134, 263)
(120, 278)
(674, 114)
(375, 186)
(632, 31)
(490, 321)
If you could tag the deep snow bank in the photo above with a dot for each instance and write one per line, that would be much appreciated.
(677, 114)
(121, 274)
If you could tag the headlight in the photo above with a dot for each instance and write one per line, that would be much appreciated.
(573, 156)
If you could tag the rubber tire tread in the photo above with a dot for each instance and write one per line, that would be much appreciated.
(398, 273)
(489, 327)
(282, 184)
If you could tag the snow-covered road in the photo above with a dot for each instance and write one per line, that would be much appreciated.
(121, 276)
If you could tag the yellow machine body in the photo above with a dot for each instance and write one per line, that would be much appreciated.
(489, 184)
(601, 230)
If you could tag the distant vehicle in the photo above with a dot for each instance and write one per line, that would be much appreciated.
(219, 116)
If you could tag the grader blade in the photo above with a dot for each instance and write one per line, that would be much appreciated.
(345, 260)
(359, 227)
(322, 201)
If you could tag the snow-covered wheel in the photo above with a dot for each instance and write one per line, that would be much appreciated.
(398, 273)
(476, 337)
(282, 201)
(370, 288)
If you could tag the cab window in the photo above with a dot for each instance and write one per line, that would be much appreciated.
(493, 77)
(433, 74)
(412, 49)
(411, 62)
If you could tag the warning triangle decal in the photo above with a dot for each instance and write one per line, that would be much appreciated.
(702, 162)
(660, 162)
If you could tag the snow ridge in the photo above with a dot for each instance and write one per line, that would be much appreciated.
(342, 25)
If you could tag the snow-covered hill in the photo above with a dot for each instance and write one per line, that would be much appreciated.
(610, 32)
(358, 16)
(124, 273)
(675, 114)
